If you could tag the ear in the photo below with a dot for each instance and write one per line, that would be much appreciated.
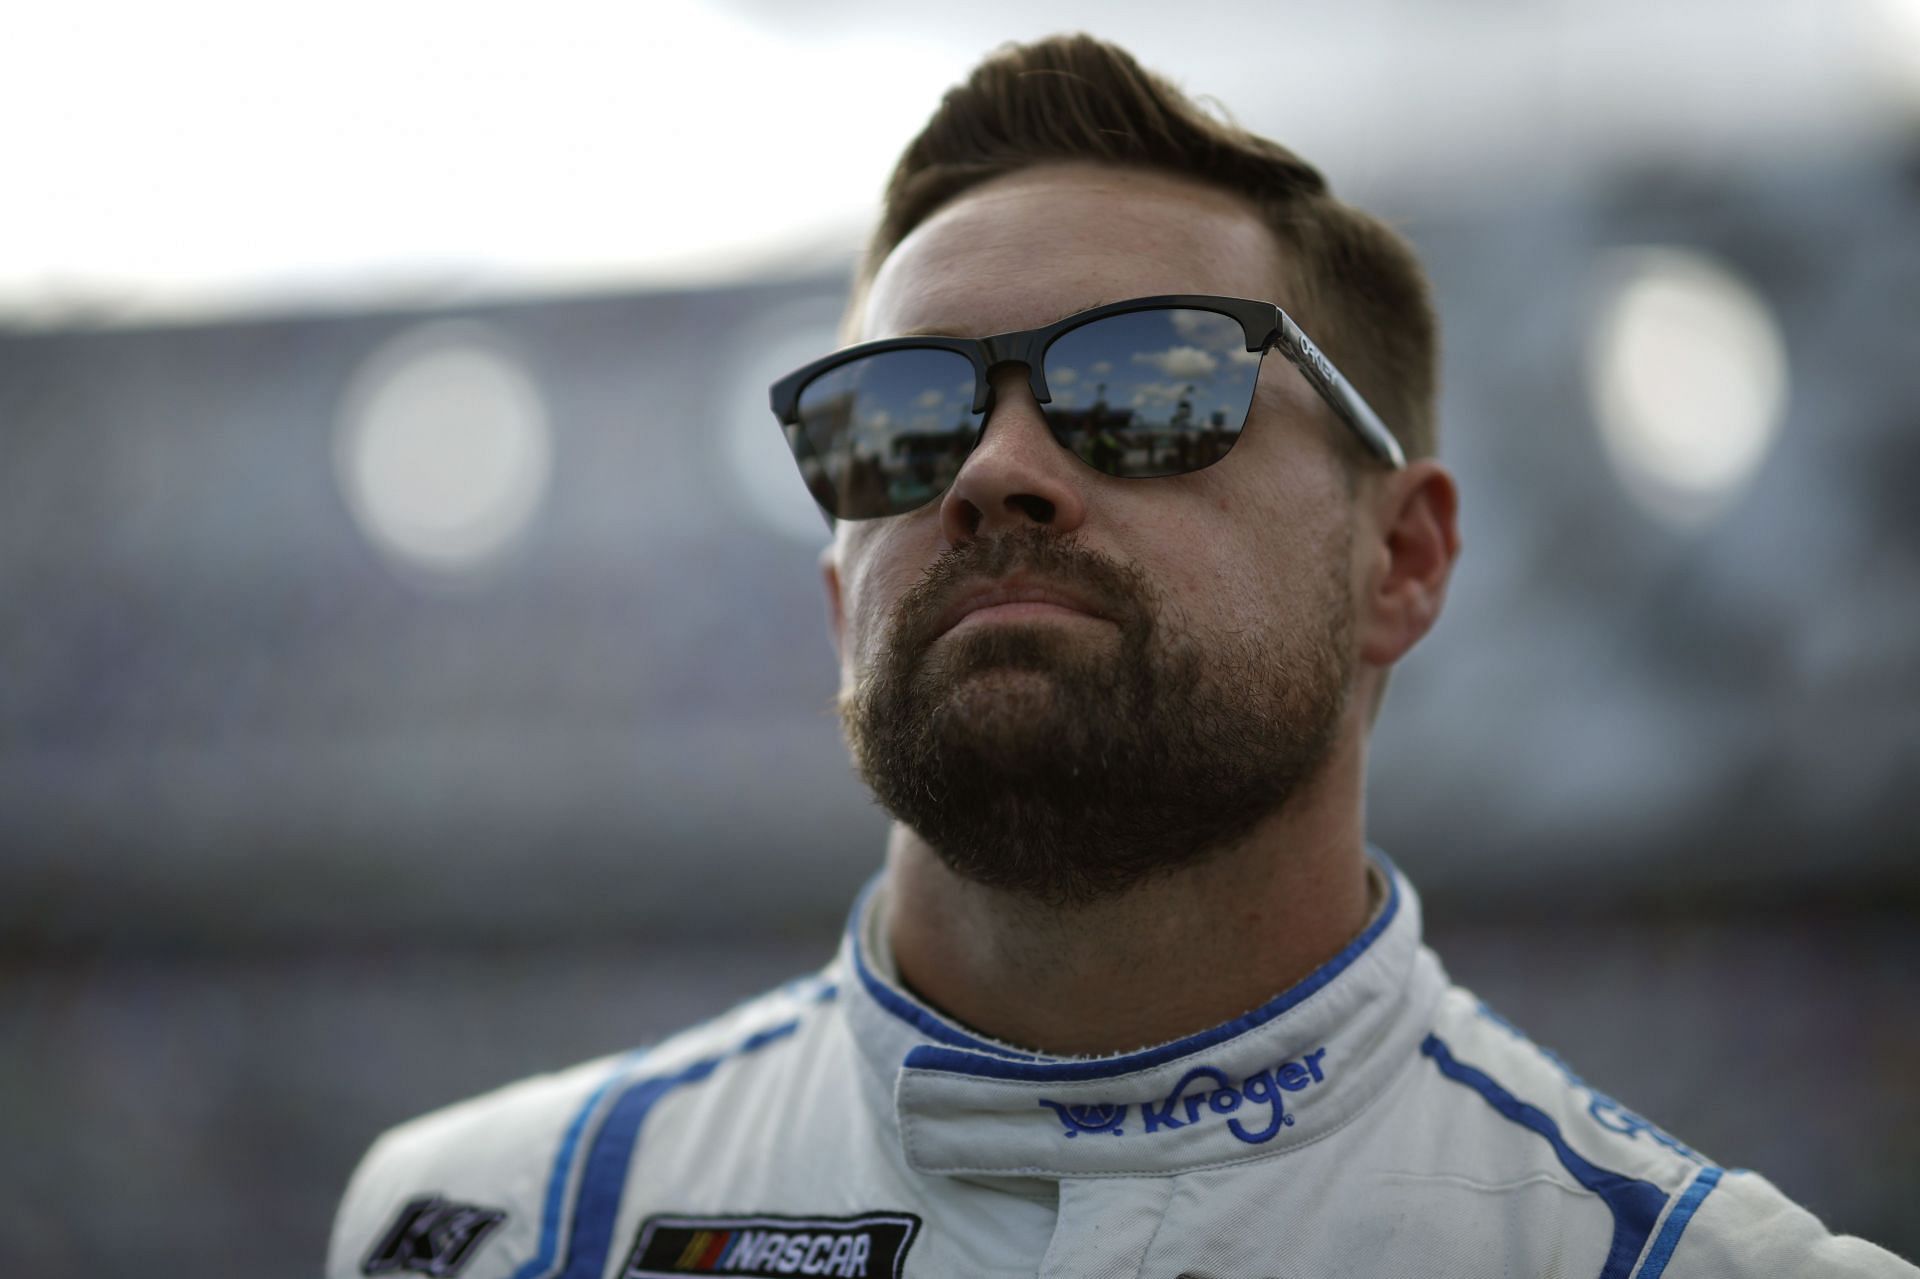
(1417, 539)
(836, 607)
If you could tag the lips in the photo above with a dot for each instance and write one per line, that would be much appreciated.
(1015, 590)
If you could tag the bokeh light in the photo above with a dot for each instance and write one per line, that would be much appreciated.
(1688, 378)
(443, 449)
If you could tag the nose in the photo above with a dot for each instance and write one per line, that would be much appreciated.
(1018, 474)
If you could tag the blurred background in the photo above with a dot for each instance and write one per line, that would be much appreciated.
(413, 672)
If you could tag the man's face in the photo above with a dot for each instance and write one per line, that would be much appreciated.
(1200, 674)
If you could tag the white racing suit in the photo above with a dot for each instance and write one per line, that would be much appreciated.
(1372, 1121)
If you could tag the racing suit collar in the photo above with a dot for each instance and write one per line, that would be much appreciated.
(1273, 1079)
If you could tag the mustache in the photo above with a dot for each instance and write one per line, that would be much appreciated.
(1120, 591)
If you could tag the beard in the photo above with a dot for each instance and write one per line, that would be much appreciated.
(1066, 764)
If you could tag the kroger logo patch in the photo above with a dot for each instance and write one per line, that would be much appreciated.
(1253, 1109)
(842, 1247)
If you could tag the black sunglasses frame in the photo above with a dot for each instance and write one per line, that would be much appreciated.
(1264, 325)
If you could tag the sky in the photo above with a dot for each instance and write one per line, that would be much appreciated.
(207, 158)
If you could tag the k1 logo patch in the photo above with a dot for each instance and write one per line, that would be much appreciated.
(431, 1237)
(870, 1247)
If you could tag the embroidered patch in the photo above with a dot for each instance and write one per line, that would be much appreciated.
(870, 1247)
(1202, 1093)
(1097, 1118)
(431, 1237)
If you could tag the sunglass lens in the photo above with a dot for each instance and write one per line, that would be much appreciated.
(1151, 393)
(885, 433)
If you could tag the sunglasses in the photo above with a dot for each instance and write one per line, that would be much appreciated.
(1138, 390)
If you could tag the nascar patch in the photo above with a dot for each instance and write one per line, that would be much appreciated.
(869, 1247)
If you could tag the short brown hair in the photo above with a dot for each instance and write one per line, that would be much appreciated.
(1361, 293)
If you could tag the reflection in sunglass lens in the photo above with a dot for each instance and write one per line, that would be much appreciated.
(885, 433)
(1151, 392)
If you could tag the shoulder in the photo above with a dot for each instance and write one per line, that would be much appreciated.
(1495, 1073)
(487, 1180)
(1743, 1225)
(1673, 1209)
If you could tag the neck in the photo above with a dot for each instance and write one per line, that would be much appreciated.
(1161, 961)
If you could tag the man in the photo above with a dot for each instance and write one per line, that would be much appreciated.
(1115, 596)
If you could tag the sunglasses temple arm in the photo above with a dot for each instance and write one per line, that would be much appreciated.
(1339, 393)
